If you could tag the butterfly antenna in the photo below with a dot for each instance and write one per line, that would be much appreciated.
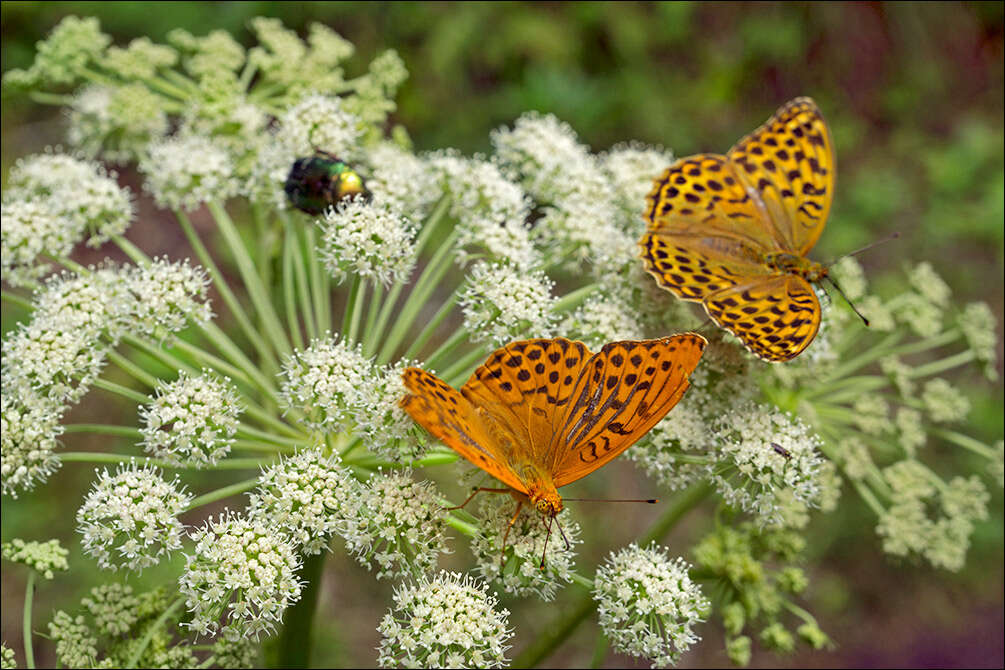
(850, 303)
(892, 236)
(650, 501)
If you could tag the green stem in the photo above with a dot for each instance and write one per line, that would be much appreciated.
(350, 306)
(873, 353)
(468, 529)
(935, 342)
(682, 504)
(438, 266)
(135, 254)
(357, 313)
(133, 370)
(156, 627)
(573, 299)
(320, 283)
(454, 341)
(29, 596)
(553, 636)
(948, 363)
(966, 442)
(289, 287)
(118, 389)
(221, 493)
(100, 457)
(103, 429)
(252, 281)
(295, 641)
(233, 304)
(430, 328)
(307, 307)
(462, 369)
(371, 317)
(18, 300)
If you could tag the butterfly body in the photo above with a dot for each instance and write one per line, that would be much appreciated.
(542, 413)
(732, 231)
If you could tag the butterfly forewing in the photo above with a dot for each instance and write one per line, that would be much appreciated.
(455, 421)
(790, 162)
(623, 391)
(528, 383)
(775, 318)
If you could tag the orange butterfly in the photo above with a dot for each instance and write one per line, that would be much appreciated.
(732, 231)
(540, 414)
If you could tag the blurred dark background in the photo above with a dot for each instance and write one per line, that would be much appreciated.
(913, 93)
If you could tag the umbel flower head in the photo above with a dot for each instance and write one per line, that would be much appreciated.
(397, 523)
(182, 172)
(387, 429)
(501, 303)
(29, 434)
(304, 495)
(77, 190)
(448, 621)
(42, 557)
(323, 383)
(519, 570)
(648, 604)
(240, 578)
(192, 420)
(366, 240)
(130, 519)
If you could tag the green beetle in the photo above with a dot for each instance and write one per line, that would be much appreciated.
(321, 181)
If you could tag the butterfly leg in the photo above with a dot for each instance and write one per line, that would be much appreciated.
(516, 514)
(473, 494)
(544, 551)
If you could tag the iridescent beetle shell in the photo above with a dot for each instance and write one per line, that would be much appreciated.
(318, 182)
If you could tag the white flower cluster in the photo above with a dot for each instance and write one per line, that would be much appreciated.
(445, 622)
(369, 241)
(907, 526)
(766, 450)
(582, 219)
(529, 539)
(491, 211)
(943, 403)
(182, 172)
(191, 421)
(31, 228)
(29, 434)
(42, 557)
(130, 519)
(167, 295)
(979, 325)
(304, 495)
(397, 523)
(632, 168)
(648, 604)
(602, 319)
(323, 382)
(242, 575)
(118, 122)
(502, 304)
(400, 180)
(79, 191)
(387, 429)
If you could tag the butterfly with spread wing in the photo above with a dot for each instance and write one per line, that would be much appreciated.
(542, 413)
(732, 232)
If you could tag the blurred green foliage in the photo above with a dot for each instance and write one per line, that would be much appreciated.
(913, 93)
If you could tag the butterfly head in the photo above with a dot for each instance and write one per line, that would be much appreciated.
(548, 505)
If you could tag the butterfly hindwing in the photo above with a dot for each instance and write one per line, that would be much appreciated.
(623, 391)
(790, 162)
(452, 419)
(776, 318)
